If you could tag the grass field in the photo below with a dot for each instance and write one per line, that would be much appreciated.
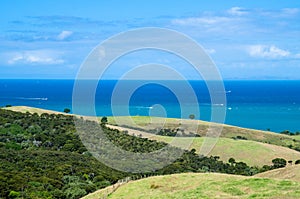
(251, 152)
(209, 185)
(201, 128)
(297, 137)
(288, 173)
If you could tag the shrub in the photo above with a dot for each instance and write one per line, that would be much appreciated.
(104, 120)
(279, 163)
(14, 194)
(67, 110)
(192, 116)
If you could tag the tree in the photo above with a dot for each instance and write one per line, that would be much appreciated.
(193, 151)
(67, 110)
(231, 161)
(104, 120)
(279, 163)
(192, 116)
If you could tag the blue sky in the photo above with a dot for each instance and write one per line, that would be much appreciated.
(246, 39)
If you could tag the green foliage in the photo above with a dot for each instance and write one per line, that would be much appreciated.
(13, 145)
(14, 194)
(38, 153)
(239, 137)
(279, 163)
(104, 120)
(287, 132)
(67, 110)
(192, 116)
(231, 160)
(174, 132)
(171, 132)
(74, 192)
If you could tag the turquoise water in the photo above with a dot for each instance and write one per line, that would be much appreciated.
(261, 105)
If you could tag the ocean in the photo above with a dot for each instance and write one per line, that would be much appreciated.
(262, 105)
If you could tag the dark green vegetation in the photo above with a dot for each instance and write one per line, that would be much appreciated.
(192, 116)
(290, 133)
(171, 132)
(43, 157)
(67, 110)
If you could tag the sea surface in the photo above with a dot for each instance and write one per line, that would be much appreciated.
(263, 105)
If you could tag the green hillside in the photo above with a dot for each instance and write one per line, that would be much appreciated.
(191, 185)
(201, 127)
(42, 156)
(250, 152)
(147, 124)
(53, 163)
(257, 148)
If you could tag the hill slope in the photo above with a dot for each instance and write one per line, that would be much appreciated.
(146, 123)
(228, 131)
(42, 156)
(254, 151)
(191, 185)
(288, 173)
(248, 151)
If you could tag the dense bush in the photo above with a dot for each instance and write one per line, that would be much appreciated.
(286, 132)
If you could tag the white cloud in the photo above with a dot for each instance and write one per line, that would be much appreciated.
(237, 11)
(265, 51)
(200, 20)
(34, 57)
(64, 35)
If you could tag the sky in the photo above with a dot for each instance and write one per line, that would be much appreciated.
(50, 39)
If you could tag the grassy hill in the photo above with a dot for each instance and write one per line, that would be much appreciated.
(251, 152)
(146, 123)
(297, 137)
(288, 173)
(198, 185)
(42, 156)
(253, 148)
(255, 151)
